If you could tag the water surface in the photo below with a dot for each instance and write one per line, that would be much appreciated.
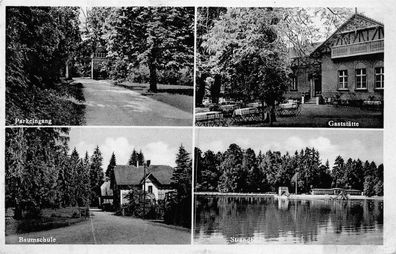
(269, 220)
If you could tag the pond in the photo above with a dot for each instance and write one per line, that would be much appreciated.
(269, 220)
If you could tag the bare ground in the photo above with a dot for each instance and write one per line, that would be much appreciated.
(107, 104)
(106, 228)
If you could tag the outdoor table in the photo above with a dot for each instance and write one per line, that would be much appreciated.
(211, 118)
(254, 105)
(244, 115)
(228, 109)
(291, 108)
(288, 105)
(245, 111)
(374, 105)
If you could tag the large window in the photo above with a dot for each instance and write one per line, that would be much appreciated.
(343, 79)
(379, 77)
(293, 86)
(150, 189)
(361, 79)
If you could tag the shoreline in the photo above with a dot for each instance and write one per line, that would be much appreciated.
(292, 196)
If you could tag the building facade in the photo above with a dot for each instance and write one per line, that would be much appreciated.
(106, 193)
(156, 182)
(158, 189)
(347, 67)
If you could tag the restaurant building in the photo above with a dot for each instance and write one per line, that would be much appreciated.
(348, 66)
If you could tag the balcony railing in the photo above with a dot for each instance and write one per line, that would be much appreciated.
(100, 55)
(363, 48)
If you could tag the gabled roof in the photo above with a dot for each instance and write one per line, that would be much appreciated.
(128, 175)
(131, 175)
(366, 22)
(161, 173)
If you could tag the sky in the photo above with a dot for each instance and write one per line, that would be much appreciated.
(362, 144)
(377, 14)
(160, 145)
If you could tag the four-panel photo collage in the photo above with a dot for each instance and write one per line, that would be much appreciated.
(194, 125)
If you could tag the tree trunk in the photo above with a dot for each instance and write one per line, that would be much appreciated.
(153, 70)
(201, 89)
(92, 67)
(17, 211)
(67, 75)
(262, 111)
(216, 87)
(153, 78)
(272, 116)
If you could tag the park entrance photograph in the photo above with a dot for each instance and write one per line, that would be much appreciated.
(281, 187)
(119, 66)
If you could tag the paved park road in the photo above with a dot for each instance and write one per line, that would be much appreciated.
(107, 104)
(106, 228)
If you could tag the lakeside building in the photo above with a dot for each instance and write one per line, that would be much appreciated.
(348, 66)
(156, 183)
(335, 191)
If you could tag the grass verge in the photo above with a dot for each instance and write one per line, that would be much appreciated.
(49, 219)
(61, 105)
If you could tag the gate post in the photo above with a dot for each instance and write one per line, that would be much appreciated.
(92, 66)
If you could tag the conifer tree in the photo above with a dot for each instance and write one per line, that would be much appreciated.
(33, 161)
(110, 170)
(96, 176)
(140, 158)
(178, 208)
(134, 158)
(85, 175)
(181, 178)
(75, 177)
(337, 172)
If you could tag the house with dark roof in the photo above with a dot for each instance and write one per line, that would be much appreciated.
(347, 66)
(156, 182)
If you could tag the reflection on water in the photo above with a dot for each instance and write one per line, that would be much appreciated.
(242, 220)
